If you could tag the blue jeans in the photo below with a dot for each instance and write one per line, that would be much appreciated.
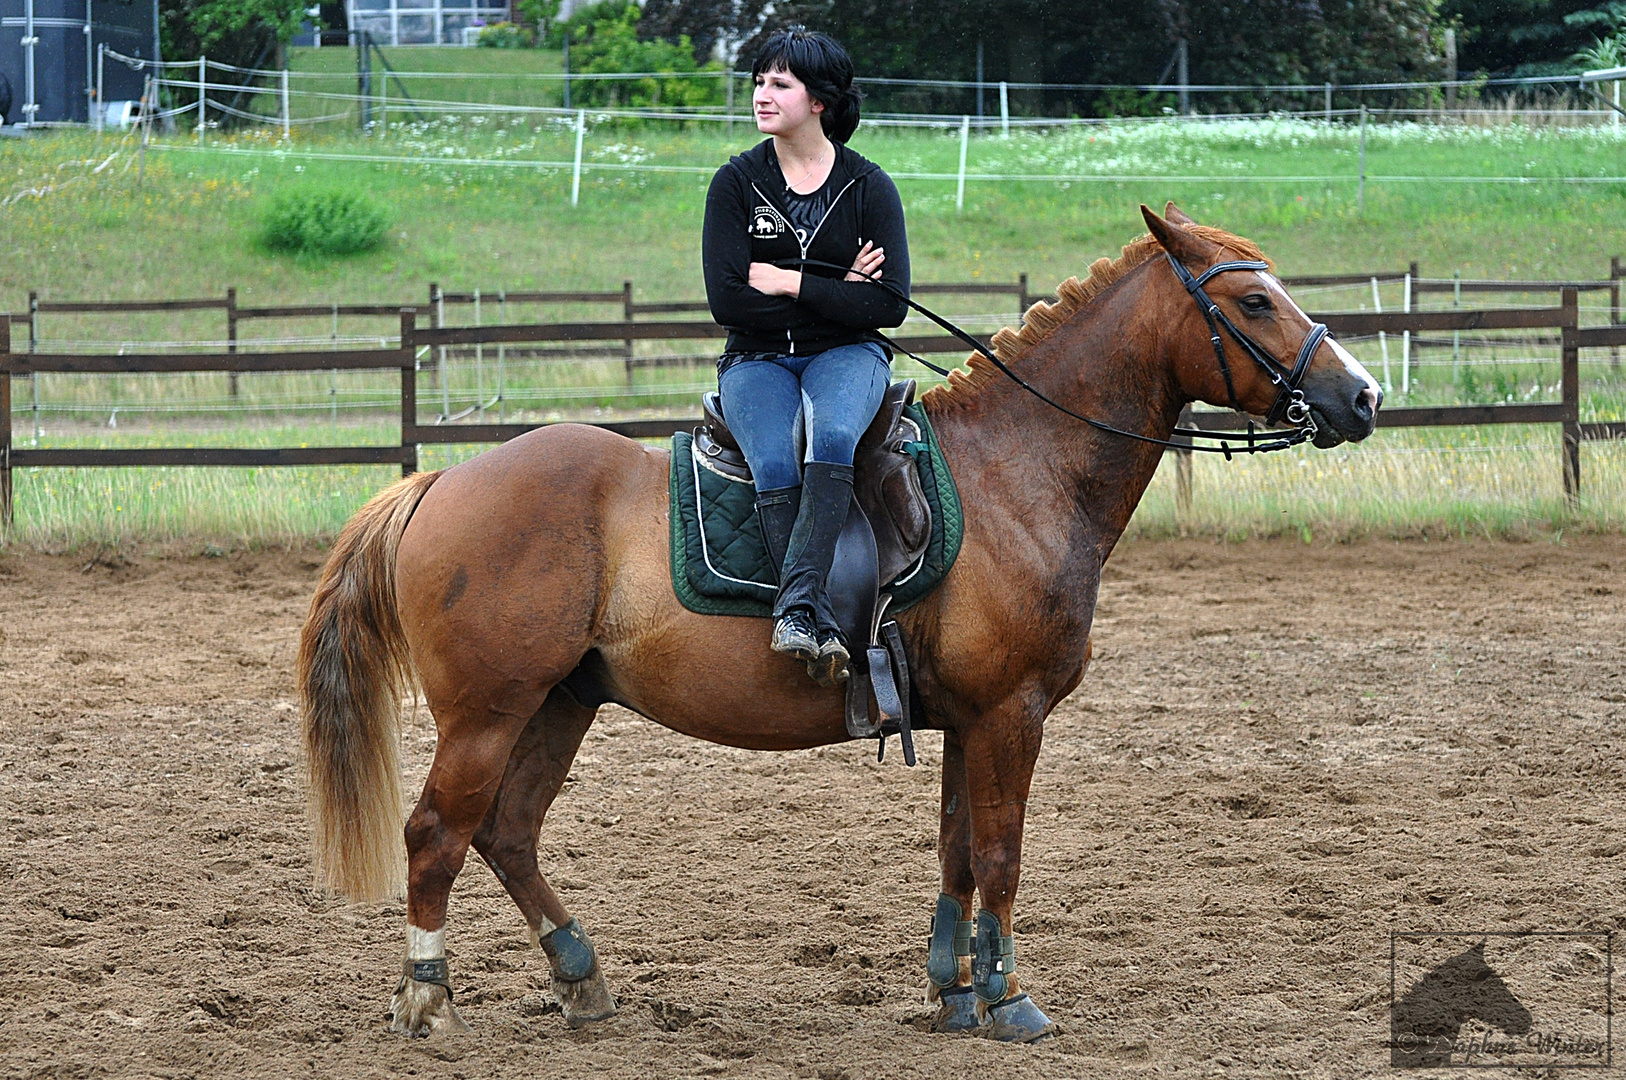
(836, 392)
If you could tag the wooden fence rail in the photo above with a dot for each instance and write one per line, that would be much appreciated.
(1565, 412)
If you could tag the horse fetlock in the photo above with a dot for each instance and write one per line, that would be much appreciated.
(578, 984)
(993, 960)
(422, 1003)
(951, 939)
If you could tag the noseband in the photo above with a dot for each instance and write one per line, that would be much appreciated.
(1290, 404)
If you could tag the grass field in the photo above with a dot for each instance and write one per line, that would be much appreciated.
(189, 228)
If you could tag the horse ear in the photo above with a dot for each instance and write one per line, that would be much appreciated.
(1174, 237)
(1173, 213)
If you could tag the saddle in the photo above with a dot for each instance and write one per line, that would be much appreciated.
(888, 526)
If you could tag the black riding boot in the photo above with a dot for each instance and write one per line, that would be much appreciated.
(803, 601)
(776, 517)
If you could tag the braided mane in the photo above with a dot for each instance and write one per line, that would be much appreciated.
(1044, 318)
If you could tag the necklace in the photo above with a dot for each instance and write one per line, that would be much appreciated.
(807, 171)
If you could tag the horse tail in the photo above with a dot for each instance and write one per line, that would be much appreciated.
(353, 668)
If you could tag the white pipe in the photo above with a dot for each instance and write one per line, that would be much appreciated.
(479, 360)
(1004, 110)
(1383, 341)
(100, 120)
(1456, 335)
(92, 85)
(30, 105)
(1405, 341)
(965, 140)
(576, 172)
(203, 89)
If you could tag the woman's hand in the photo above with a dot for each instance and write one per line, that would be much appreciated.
(774, 281)
(868, 262)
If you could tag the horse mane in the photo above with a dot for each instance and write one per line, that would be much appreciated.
(1044, 318)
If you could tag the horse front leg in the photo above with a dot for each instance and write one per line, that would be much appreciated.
(948, 959)
(1000, 750)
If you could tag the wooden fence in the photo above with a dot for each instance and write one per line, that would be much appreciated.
(1565, 318)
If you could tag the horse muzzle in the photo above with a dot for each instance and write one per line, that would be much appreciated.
(1343, 404)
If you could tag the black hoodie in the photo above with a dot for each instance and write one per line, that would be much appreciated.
(747, 221)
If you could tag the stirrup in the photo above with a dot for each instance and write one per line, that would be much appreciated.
(794, 635)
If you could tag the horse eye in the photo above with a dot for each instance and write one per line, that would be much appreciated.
(1256, 303)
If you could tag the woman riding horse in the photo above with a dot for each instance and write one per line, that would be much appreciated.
(800, 367)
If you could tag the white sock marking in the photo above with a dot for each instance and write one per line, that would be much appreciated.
(425, 944)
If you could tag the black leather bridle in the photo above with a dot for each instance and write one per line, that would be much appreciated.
(1289, 405)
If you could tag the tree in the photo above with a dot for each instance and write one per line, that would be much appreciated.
(607, 41)
(1229, 41)
(715, 28)
(1529, 37)
(240, 32)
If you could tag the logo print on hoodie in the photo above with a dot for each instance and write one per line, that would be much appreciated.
(766, 223)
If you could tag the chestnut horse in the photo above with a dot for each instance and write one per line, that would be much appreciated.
(488, 583)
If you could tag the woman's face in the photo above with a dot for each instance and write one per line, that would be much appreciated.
(782, 104)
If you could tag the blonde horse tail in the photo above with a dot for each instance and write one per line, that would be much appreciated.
(353, 669)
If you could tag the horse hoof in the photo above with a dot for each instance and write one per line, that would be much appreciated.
(584, 1001)
(1017, 1019)
(420, 1009)
(956, 1010)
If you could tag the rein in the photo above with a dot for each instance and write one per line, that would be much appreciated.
(1289, 404)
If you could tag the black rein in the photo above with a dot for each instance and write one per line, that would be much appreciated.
(1290, 403)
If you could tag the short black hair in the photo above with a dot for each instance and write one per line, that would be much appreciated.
(823, 66)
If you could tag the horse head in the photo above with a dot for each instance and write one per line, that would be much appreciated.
(1342, 396)
(1425, 1021)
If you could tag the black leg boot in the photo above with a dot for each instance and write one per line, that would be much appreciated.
(776, 517)
(827, 492)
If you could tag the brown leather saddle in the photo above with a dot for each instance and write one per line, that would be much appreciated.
(885, 535)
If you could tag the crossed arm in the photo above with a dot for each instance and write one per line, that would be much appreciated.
(773, 281)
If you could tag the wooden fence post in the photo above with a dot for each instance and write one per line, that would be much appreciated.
(231, 338)
(409, 390)
(1024, 299)
(1182, 472)
(627, 314)
(1571, 381)
(5, 420)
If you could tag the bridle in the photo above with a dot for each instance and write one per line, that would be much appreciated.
(1289, 405)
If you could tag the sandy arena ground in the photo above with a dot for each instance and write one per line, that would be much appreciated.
(1282, 754)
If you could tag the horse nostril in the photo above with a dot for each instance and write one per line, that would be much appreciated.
(1367, 401)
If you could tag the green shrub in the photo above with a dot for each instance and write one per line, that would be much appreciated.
(604, 40)
(506, 35)
(324, 223)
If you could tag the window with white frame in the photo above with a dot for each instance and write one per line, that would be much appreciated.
(423, 22)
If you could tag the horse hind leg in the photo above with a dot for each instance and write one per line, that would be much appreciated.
(470, 760)
(507, 839)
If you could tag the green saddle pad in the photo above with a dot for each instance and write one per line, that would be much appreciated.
(719, 563)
